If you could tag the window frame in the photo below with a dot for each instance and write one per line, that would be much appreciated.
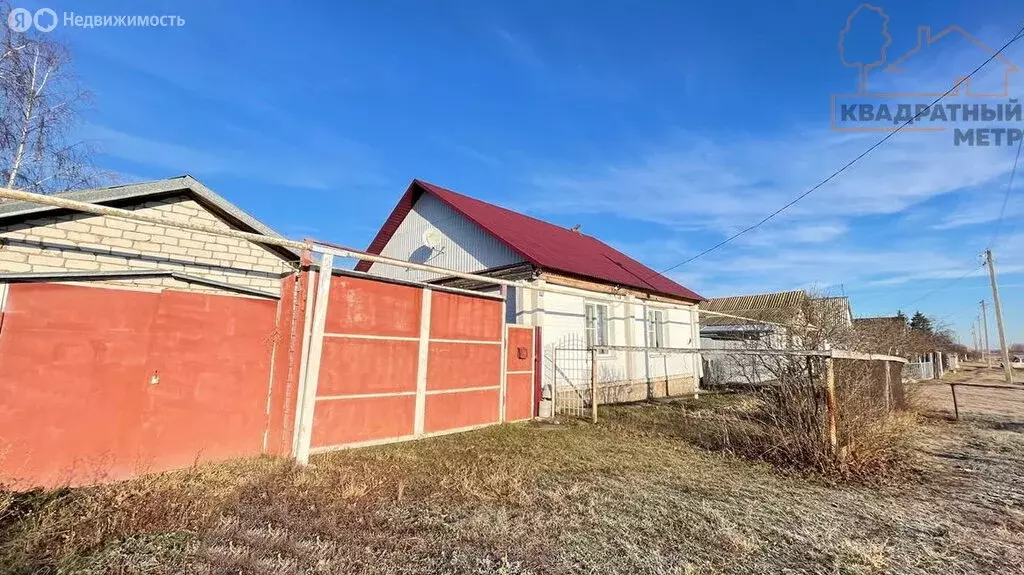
(656, 326)
(601, 330)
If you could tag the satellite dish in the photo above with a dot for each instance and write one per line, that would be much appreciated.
(433, 239)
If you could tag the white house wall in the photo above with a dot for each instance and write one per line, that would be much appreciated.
(464, 245)
(563, 330)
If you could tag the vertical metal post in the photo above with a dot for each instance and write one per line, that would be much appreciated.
(503, 383)
(503, 391)
(697, 374)
(698, 359)
(421, 363)
(593, 384)
(1007, 370)
(956, 410)
(830, 402)
(532, 372)
(554, 383)
(316, 348)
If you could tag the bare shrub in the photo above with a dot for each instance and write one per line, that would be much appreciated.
(789, 423)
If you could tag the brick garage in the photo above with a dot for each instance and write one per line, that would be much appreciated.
(39, 239)
(128, 347)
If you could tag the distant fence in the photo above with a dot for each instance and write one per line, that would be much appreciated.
(919, 370)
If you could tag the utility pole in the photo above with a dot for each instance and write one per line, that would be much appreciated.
(974, 337)
(999, 317)
(984, 324)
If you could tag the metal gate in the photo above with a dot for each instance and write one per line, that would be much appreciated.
(573, 385)
(520, 392)
(390, 361)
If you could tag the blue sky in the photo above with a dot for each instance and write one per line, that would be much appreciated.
(661, 127)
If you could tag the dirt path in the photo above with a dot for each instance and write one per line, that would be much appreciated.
(990, 405)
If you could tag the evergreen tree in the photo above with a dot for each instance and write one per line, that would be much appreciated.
(920, 322)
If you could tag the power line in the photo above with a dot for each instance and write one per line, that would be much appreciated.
(846, 166)
(1006, 197)
(943, 286)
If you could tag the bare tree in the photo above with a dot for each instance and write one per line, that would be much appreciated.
(40, 102)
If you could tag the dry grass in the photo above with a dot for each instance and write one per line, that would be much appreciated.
(634, 494)
(786, 422)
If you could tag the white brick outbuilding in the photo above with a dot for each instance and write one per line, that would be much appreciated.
(44, 242)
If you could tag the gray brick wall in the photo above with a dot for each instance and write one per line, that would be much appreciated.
(86, 242)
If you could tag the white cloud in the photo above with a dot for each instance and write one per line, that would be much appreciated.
(322, 163)
(698, 181)
(703, 187)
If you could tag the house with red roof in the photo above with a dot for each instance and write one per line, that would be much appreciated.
(603, 298)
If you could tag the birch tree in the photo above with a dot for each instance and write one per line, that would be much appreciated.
(40, 102)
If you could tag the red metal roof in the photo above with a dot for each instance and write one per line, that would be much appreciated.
(544, 245)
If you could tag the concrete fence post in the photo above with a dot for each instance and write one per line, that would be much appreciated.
(422, 357)
(311, 377)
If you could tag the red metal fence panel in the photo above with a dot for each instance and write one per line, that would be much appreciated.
(366, 388)
(519, 389)
(103, 384)
(464, 366)
(400, 361)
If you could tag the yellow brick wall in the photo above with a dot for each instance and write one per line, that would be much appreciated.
(86, 242)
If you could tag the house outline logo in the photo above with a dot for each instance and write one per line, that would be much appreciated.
(925, 39)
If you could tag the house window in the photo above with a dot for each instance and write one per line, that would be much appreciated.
(656, 329)
(596, 325)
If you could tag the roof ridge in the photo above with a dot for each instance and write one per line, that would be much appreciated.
(501, 207)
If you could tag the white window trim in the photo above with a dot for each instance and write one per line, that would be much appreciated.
(601, 354)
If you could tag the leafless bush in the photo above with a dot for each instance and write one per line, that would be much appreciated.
(789, 423)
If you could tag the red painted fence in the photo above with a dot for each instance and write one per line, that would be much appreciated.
(100, 384)
(401, 362)
(103, 384)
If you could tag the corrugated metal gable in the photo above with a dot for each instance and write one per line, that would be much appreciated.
(464, 245)
(779, 307)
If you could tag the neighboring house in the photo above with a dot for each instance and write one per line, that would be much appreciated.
(45, 243)
(439, 227)
(834, 312)
(725, 333)
(790, 308)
